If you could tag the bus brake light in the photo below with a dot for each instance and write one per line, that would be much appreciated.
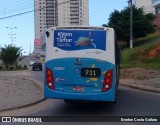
(49, 79)
(107, 82)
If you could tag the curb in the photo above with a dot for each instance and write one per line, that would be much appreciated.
(31, 104)
(37, 82)
(23, 106)
(141, 87)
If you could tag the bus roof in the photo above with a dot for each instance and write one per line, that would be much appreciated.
(80, 27)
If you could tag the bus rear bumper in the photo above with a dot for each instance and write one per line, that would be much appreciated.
(102, 96)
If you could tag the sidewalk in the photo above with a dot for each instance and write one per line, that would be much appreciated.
(152, 85)
(17, 90)
(142, 79)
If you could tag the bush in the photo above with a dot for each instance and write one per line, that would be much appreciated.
(19, 66)
(11, 67)
(1, 67)
(25, 67)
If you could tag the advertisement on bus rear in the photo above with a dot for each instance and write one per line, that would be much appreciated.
(70, 40)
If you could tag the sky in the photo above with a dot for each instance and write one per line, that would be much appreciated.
(99, 11)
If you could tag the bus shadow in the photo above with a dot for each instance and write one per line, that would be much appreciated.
(83, 108)
(86, 108)
(89, 108)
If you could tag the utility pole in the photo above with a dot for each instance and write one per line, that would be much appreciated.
(131, 23)
(30, 48)
(12, 35)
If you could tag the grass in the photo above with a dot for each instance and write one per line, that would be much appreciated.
(148, 39)
(139, 57)
(141, 41)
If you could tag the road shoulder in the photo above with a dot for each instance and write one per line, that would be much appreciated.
(142, 79)
(18, 91)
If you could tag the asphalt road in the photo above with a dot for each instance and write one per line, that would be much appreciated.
(130, 102)
(38, 75)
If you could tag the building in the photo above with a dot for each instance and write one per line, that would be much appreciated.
(50, 13)
(74, 12)
(45, 16)
(156, 4)
(145, 4)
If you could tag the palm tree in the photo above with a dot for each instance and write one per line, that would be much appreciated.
(9, 55)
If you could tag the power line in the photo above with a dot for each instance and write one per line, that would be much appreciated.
(18, 5)
(17, 14)
(6, 12)
(31, 11)
(16, 8)
(21, 2)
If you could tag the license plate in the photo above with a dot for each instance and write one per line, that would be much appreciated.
(91, 72)
(78, 88)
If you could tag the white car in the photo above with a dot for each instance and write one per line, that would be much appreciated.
(31, 62)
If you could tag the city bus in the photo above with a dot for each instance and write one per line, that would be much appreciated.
(81, 63)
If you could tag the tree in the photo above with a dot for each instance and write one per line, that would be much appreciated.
(9, 55)
(142, 23)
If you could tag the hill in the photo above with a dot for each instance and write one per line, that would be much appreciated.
(145, 56)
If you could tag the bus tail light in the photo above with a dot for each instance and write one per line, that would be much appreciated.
(49, 79)
(107, 82)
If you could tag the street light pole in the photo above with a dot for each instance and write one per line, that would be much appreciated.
(131, 24)
(12, 35)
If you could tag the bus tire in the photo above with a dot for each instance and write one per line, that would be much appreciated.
(66, 101)
(116, 93)
(115, 101)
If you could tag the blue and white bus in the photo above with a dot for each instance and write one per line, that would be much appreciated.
(82, 63)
